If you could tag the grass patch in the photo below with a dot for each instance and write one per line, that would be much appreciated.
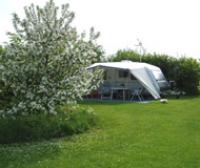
(39, 127)
(129, 135)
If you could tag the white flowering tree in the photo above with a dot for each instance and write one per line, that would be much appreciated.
(46, 61)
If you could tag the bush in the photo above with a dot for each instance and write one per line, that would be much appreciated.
(41, 127)
(188, 75)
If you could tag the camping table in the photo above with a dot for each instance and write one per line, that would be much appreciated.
(119, 88)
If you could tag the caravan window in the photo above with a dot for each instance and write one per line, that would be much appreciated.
(123, 74)
(132, 77)
(105, 75)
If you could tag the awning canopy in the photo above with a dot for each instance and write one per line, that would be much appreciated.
(143, 72)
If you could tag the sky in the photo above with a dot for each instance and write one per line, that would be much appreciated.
(163, 26)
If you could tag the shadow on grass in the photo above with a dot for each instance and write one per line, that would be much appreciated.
(26, 154)
(103, 102)
(112, 102)
(119, 102)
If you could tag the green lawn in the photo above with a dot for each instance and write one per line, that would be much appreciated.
(129, 135)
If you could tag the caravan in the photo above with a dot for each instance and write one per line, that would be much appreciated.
(130, 77)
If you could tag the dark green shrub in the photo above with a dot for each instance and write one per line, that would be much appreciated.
(188, 75)
(40, 127)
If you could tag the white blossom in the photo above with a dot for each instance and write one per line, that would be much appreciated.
(46, 61)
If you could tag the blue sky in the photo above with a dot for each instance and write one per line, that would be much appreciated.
(164, 26)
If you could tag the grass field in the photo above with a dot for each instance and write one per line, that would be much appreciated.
(129, 135)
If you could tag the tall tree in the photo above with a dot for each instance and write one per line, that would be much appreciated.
(46, 61)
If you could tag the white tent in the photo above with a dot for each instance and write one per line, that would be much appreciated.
(148, 75)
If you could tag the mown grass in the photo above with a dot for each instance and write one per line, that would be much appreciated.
(129, 135)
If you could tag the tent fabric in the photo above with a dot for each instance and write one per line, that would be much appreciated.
(143, 72)
(142, 75)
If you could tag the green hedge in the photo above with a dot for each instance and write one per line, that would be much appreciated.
(40, 127)
(184, 71)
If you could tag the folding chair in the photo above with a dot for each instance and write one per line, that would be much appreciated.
(137, 93)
